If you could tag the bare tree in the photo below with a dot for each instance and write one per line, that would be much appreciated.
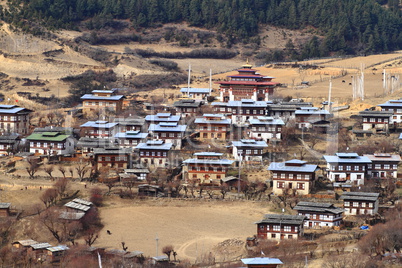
(49, 197)
(63, 171)
(61, 186)
(49, 171)
(168, 250)
(224, 188)
(82, 168)
(91, 236)
(32, 168)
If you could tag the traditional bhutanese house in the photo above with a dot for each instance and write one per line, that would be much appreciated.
(319, 214)
(24, 244)
(261, 262)
(360, 203)
(383, 165)
(51, 143)
(170, 132)
(213, 126)
(38, 251)
(5, 209)
(286, 110)
(394, 107)
(206, 168)
(98, 129)
(107, 100)
(14, 119)
(278, 227)
(241, 111)
(129, 124)
(54, 254)
(247, 84)
(375, 120)
(306, 117)
(293, 174)
(140, 172)
(248, 150)
(154, 153)
(162, 117)
(195, 93)
(266, 128)
(188, 107)
(86, 146)
(113, 157)
(9, 143)
(130, 139)
(347, 167)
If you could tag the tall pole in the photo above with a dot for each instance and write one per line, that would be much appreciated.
(329, 94)
(157, 240)
(188, 80)
(238, 182)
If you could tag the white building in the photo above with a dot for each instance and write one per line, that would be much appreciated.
(347, 167)
(266, 128)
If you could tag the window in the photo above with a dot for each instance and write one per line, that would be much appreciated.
(307, 176)
(377, 166)
(273, 235)
(372, 120)
(300, 186)
(290, 236)
(340, 167)
(370, 205)
(386, 166)
(283, 176)
(355, 204)
(364, 119)
(275, 175)
(280, 185)
(346, 204)
(290, 176)
(356, 167)
(299, 176)
(276, 228)
(107, 158)
(348, 168)
(287, 228)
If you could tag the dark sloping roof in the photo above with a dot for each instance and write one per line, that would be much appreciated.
(360, 196)
(318, 207)
(283, 219)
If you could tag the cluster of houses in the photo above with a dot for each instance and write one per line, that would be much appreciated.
(136, 145)
(316, 215)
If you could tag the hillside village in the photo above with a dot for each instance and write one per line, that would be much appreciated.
(321, 172)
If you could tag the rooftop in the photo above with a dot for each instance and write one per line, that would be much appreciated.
(281, 166)
(99, 124)
(44, 136)
(195, 90)
(283, 219)
(261, 261)
(154, 145)
(250, 143)
(346, 158)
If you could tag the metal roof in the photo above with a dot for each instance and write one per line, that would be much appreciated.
(261, 261)
(94, 97)
(250, 143)
(42, 137)
(319, 207)
(72, 216)
(162, 117)
(94, 142)
(5, 205)
(376, 113)
(383, 157)
(136, 170)
(12, 109)
(347, 158)
(131, 135)
(129, 121)
(360, 196)
(112, 150)
(266, 120)
(391, 103)
(195, 90)
(154, 146)
(40, 246)
(99, 124)
(283, 219)
(208, 154)
(208, 161)
(187, 103)
(310, 111)
(82, 201)
(206, 121)
(281, 166)
(26, 242)
(169, 128)
(58, 248)
(77, 206)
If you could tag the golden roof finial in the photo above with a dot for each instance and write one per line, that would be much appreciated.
(247, 65)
